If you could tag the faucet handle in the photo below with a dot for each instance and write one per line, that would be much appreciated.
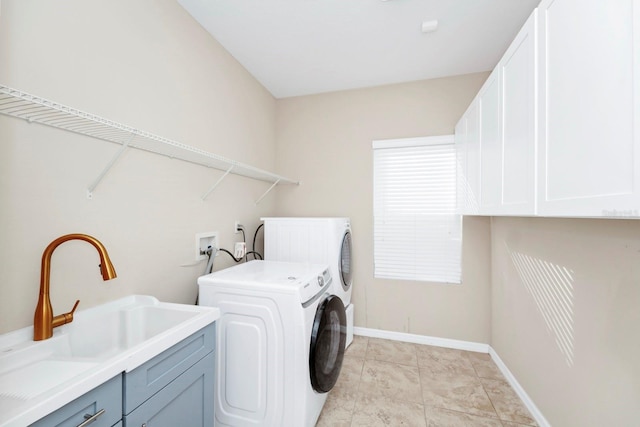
(74, 308)
(65, 318)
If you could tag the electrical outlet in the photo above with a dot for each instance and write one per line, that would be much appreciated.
(240, 249)
(237, 227)
(203, 241)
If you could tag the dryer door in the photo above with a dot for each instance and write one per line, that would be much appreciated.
(345, 266)
(328, 339)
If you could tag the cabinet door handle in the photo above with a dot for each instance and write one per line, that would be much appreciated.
(88, 419)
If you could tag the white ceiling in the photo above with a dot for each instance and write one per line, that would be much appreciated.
(301, 47)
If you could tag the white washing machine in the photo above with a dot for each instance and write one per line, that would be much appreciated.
(316, 240)
(280, 342)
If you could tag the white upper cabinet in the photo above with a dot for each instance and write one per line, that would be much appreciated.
(468, 151)
(589, 108)
(473, 158)
(491, 144)
(518, 75)
(497, 135)
(461, 164)
(559, 135)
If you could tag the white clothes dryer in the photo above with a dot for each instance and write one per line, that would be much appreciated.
(321, 240)
(280, 342)
(314, 240)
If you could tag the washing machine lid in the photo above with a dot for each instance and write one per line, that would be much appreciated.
(304, 279)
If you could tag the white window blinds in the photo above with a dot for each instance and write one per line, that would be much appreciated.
(417, 233)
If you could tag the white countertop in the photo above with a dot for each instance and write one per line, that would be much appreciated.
(33, 383)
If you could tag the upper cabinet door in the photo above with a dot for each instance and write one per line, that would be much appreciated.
(589, 96)
(467, 140)
(461, 164)
(473, 156)
(519, 82)
(491, 144)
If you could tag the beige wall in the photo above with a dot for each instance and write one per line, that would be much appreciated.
(148, 64)
(325, 141)
(566, 298)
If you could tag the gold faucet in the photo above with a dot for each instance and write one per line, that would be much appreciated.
(44, 321)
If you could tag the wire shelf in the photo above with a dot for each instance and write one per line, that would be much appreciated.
(31, 108)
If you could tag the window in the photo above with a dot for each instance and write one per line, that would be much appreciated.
(417, 231)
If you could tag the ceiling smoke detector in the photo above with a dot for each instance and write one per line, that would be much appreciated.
(429, 26)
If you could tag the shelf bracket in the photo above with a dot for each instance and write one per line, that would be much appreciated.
(268, 190)
(213, 187)
(104, 172)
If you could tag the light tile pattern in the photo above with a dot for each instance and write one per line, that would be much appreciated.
(391, 383)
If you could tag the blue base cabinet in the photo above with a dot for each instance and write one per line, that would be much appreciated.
(103, 403)
(175, 388)
(186, 401)
(160, 371)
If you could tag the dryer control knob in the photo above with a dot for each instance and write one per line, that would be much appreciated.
(320, 281)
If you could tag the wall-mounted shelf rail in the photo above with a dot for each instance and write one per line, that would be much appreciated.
(16, 103)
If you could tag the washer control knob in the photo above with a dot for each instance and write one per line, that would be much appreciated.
(320, 281)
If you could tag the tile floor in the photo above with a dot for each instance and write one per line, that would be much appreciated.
(391, 383)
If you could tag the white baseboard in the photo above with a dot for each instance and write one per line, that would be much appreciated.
(533, 409)
(461, 345)
(422, 339)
